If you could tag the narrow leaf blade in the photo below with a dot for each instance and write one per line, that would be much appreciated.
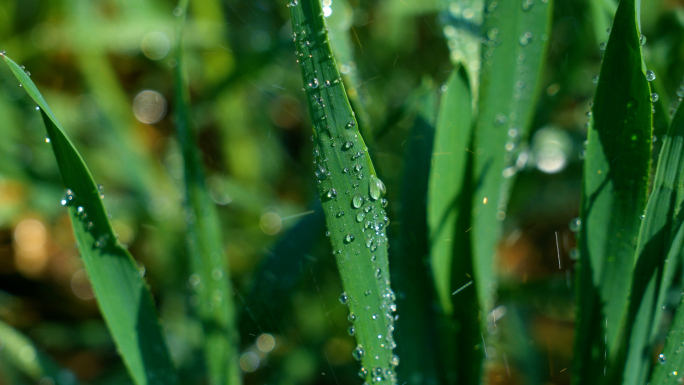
(122, 294)
(216, 307)
(613, 196)
(351, 194)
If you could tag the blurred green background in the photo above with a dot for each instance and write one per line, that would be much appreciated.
(105, 67)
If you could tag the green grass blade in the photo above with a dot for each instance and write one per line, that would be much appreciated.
(448, 186)
(216, 307)
(509, 83)
(18, 351)
(351, 194)
(657, 258)
(122, 294)
(613, 195)
(670, 361)
(448, 216)
(416, 334)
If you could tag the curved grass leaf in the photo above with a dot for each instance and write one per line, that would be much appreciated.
(657, 258)
(122, 294)
(352, 196)
(613, 197)
(509, 86)
(18, 351)
(210, 277)
(448, 216)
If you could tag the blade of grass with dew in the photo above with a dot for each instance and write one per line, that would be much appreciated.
(448, 217)
(121, 292)
(415, 334)
(510, 80)
(614, 186)
(216, 307)
(19, 351)
(657, 260)
(352, 196)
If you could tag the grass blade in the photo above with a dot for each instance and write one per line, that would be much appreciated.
(216, 307)
(351, 194)
(657, 258)
(21, 353)
(669, 370)
(509, 85)
(448, 216)
(613, 195)
(122, 294)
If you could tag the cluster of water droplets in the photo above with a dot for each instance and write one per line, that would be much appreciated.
(458, 21)
(376, 371)
(102, 236)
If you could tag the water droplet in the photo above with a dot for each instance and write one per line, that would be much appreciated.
(573, 254)
(394, 361)
(525, 38)
(642, 39)
(321, 172)
(363, 372)
(376, 187)
(595, 79)
(650, 76)
(351, 317)
(680, 91)
(360, 216)
(347, 145)
(527, 5)
(378, 273)
(68, 198)
(588, 114)
(340, 214)
(384, 202)
(217, 274)
(374, 316)
(662, 359)
(314, 83)
(654, 97)
(327, 83)
(331, 194)
(349, 238)
(344, 298)
(485, 200)
(358, 352)
(575, 225)
(357, 201)
(351, 331)
(602, 46)
(607, 30)
(47, 139)
(351, 124)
